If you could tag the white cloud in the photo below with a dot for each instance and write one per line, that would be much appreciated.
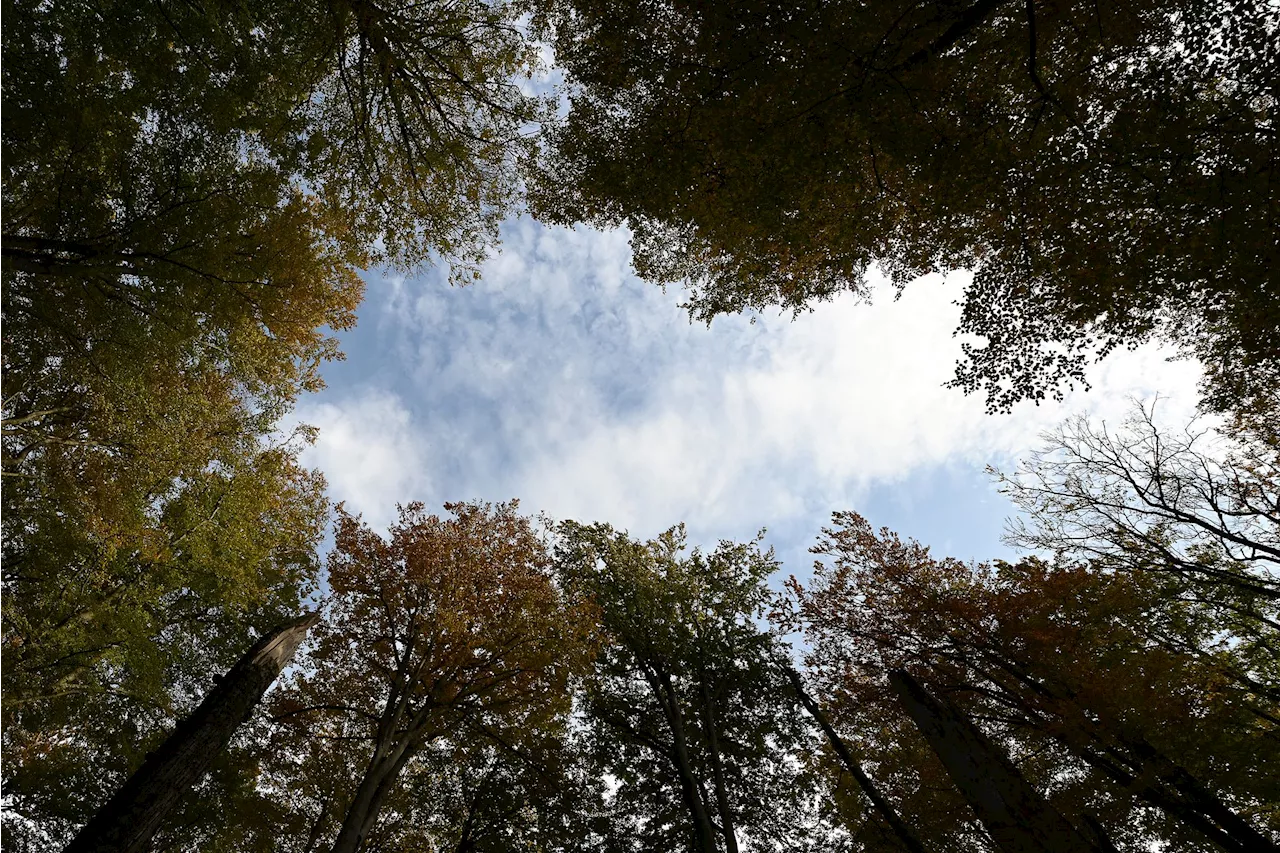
(369, 452)
(562, 380)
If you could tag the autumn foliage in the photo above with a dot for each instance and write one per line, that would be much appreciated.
(447, 629)
(1117, 697)
(192, 191)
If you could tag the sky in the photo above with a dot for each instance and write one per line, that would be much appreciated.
(562, 380)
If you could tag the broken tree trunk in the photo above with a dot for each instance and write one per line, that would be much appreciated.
(1016, 816)
(127, 822)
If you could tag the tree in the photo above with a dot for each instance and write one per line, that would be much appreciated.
(488, 797)
(190, 190)
(449, 632)
(1201, 502)
(1117, 697)
(686, 707)
(111, 633)
(130, 819)
(1106, 170)
(1013, 813)
(885, 809)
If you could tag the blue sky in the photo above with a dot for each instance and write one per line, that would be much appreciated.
(562, 380)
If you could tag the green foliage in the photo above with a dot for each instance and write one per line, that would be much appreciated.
(114, 631)
(1108, 170)
(687, 680)
(190, 190)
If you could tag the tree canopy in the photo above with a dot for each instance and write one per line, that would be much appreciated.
(190, 192)
(1132, 706)
(1107, 170)
(450, 631)
(479, 683)
(685, 708)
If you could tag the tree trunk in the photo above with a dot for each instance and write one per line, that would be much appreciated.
(127, 822)
(1147, 772)
(379, 779)
(717, 770)
(885, 808)
(704, 839)
(1016, 816)
(1167, 801)
(1201, 798)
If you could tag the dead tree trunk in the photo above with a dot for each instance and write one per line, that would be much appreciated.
(127, 822)
(1017, 817)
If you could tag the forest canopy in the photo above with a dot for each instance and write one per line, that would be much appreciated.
(484, 679)
(1106, 170)
(193, 195)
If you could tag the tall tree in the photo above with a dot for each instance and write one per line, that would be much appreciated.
(686, 707)
(129, 820)
(113, 633)
(1016, 816)
(449, 629)
(1116, 695)
(1107, 170)
(849, 763)
(1202, 501)
(190, 190)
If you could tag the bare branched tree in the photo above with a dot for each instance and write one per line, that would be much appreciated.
(1203, 502)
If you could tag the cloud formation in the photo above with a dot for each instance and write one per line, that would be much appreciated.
(564, 381)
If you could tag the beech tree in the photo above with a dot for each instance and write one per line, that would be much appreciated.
(1202, 502)
(686, 707)
(190, 191)
(1106, 170)
(450, 631)
(1119, 698)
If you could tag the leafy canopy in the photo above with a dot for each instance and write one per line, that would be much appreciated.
(1107, 170)
(445, 641)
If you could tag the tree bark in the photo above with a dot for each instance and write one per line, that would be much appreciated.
(1150, 774)
(129, 820)
(704, 839)
(717, 770)
(885, 808)
(1167, 801)
(1016, 816)
(379, 779)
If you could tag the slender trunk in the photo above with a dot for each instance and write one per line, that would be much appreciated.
(704, 839)
(128, 821)
(379, 780)
(717, 771)
(1016, 816)
(1164, 800)
(1201, 798)
(317, 828)
(465, 842)
(885, 808)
